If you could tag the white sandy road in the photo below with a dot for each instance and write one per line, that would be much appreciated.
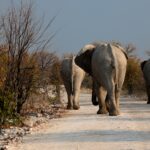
(84, 130)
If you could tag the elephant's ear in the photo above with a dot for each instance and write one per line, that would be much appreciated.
(143, 64)
(84, 57)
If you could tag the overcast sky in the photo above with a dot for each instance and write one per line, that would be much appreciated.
(83, 21)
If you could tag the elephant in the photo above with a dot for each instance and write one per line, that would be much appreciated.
(106, 63)
(72, 77)
(145, 66)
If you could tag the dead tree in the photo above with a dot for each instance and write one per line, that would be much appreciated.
(130, 48)
(45, 60)
(22, 34)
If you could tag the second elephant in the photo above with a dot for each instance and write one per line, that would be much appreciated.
(72, 76)
(145, 66)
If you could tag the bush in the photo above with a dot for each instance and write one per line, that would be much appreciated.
(22, 34)
(134, 79)
(87, 82)
(8, 115)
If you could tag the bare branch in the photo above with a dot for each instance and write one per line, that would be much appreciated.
(130, 48)
(22, 34)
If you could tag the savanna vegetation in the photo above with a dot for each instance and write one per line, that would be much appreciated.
(26, 66)
(134, 82)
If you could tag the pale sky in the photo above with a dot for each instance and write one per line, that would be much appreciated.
(83, 21)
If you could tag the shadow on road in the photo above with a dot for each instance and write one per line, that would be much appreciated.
(95, 136)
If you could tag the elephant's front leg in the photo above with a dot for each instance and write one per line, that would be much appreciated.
(70, 102)
(117, 97)
(94, 94)
(76, 92)
(101, 99)
(76, 99)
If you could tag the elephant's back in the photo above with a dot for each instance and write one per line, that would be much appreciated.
(108, 53)
(121, 64)
(101, 55)
(109, 60)
(120, 56)
(102, 63)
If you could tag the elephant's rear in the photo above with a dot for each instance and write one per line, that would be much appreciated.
(121, 64)
(66, 73)
(109, 62)
(65, 68)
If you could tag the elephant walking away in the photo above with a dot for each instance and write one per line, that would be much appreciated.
(106, 63)
(145, 66)
(72, 76)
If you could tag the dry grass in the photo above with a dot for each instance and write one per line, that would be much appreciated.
(36, 103)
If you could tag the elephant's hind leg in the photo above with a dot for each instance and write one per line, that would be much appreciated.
(101, 98)
(117, 97)
(70, 104)
(76, 105)
(76, 90)
(110, 100)
(94, 95)
(69, 95)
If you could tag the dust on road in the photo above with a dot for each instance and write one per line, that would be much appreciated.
(85, 130)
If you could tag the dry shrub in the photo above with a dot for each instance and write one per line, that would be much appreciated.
(134, 79)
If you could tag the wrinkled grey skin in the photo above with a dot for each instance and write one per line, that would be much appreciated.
(145, 66)
(72, 76)
(106, 63)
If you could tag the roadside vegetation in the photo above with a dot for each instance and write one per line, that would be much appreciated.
(27, 64)
(134, 81)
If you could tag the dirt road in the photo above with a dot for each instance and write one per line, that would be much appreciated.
(84, 130)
